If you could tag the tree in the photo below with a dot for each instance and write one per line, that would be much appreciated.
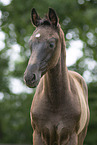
(78, 20)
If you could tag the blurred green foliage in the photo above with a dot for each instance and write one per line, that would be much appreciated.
(78, 18)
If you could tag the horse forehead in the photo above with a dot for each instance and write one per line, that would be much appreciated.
(44, 33)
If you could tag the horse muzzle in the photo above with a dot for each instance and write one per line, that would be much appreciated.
(32, 76)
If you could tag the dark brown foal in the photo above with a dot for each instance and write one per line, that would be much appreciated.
(59, 111)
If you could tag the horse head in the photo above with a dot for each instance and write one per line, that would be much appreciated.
(45, 47)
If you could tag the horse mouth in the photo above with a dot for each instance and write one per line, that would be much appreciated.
(32, 84)
(32, 80)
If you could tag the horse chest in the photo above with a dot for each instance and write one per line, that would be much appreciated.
(55, 125)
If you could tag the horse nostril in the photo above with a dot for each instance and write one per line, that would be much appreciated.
(33, 77)
(29, 78)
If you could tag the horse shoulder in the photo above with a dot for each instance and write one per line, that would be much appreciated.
(80, 80)
(82, 90)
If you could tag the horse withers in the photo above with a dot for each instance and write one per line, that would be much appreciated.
(59, 111)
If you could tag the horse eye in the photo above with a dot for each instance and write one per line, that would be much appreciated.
(52, 45)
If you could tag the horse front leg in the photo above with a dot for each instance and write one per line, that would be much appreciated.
(37, 138)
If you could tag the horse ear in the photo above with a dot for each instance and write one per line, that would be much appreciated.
(35, 17)
(53, 17)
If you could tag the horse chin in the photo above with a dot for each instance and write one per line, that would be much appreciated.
(33, 84)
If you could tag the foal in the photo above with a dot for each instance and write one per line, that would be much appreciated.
(59, 111)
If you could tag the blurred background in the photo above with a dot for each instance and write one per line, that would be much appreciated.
(78, 19)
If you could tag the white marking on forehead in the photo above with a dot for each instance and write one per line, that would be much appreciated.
(37, 35)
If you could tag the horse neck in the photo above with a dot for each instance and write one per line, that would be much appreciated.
(57, 80)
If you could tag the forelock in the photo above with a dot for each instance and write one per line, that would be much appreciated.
(45, 21)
